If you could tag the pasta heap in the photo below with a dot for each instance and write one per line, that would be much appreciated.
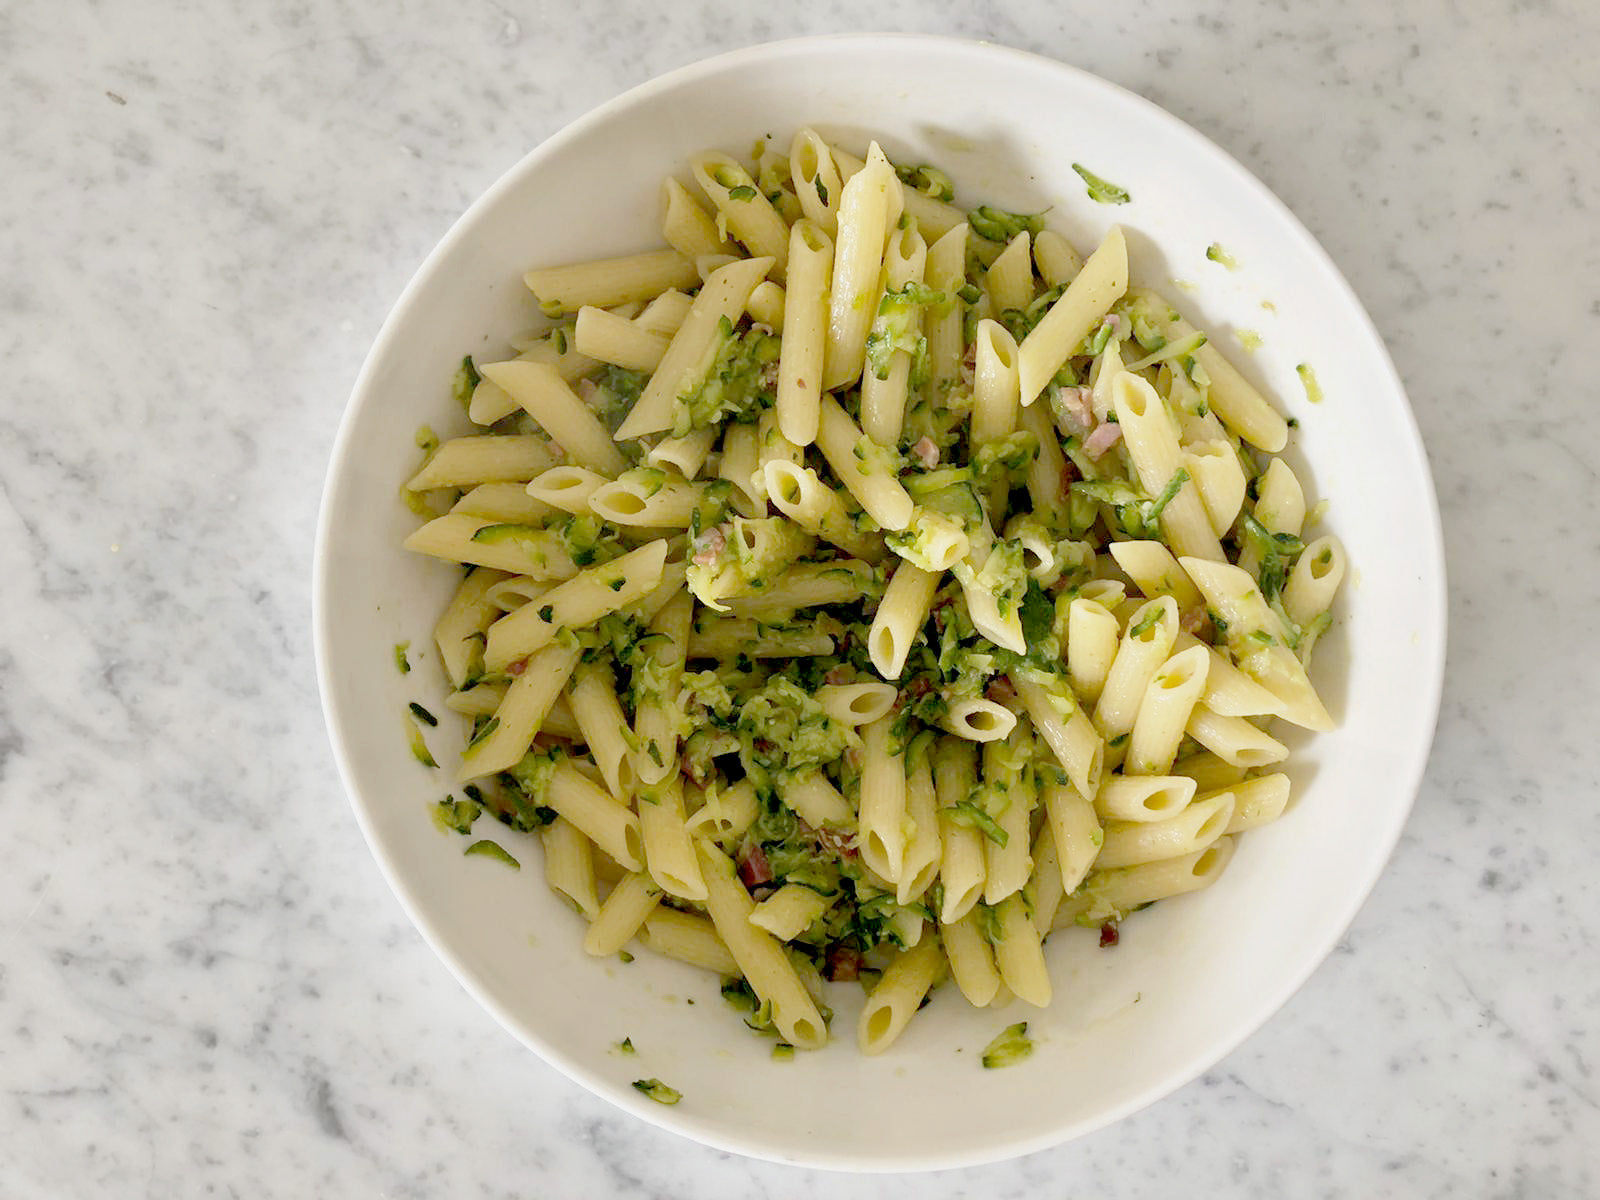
(862, 589)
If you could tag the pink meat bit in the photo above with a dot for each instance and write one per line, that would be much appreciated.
(1078, 404)
(838, 675)
(1069, 475)
(754, 869)
(837, 841)
(1193, 620)
(1118, 324)
(927, 452)
(708, 545)
(586, 390)
(1109, 935)
(1001, 691)
(1102, 439)
(843, 966)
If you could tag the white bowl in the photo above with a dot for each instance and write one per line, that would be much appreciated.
(1194, 976)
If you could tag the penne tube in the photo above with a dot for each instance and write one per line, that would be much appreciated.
(1153, 446)
(885, 379)
(569, 866)
(1009, 280)
(1111, 895)
(478, 541)
(1256, 802)
(805, 320)
(491, 458)
(685, 226)
(1077, 833)
(1192, 830)
(581, 600)
(609, 281)
(760, 956)
(509, 733)
(723, 297)
(689, 939)
(565, 488)
(856, 703)
(598, 714)
(1057, 261)
(869, 204)
(608, 338)
(622, 915)
(898, 995)
(1019, 954)
(1234, 739)
(816, 181)
(789, 911)
(978, 719)
(971, 960)
(669, 853)
(945, 274)
(899, 619)
(567, 419)
(748, 215)
(1090, 295)
(883, 801)
(503, 504)
(1168, 702)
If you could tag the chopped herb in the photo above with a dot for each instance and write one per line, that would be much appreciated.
(658, 1091)
(897, 326)
(969, 293)
(1166, 351)
(1275, 554)
(1120, 740)
(422, 714)
(997, 225)
(402, 664)
(465, 382)
(1150, 620)
(928, 180)
(505, 531)
(547, 613)
(458, 815)
(419, 748)
(743, 192)
(965, 812)
(1217, 254)
(738, 993)
(1262, 636)
(1308, 380)
(822, 190)
(625, 1046)
(783, 1052)
(488, 849)
(1009, 1048)
(1101, 191)
(482, 732)
(628, 958)
(742, 376)
(616, 584)
(1168, 494)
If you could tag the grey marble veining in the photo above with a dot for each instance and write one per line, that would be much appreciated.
(205, 212)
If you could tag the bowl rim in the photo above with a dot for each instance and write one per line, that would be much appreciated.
(1430, 682)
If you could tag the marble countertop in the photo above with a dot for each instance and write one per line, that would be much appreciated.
(206, 211)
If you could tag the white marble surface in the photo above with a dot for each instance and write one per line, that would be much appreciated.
(205, 212)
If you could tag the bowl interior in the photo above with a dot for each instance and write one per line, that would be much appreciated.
(1192, 976)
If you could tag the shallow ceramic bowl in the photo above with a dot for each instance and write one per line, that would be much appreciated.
(1193, 977)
